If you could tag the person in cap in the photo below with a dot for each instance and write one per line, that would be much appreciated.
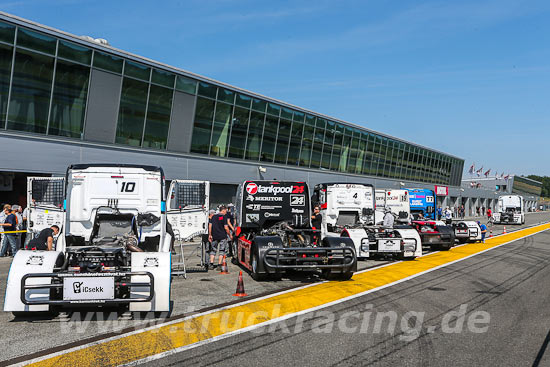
(389, 219)
(218, 233)
(483, 228)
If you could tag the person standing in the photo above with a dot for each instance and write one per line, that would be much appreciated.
(448, 216)
(17, 212)
(10, 224)
(316, 222)
(439, 213)
(389, 219)
(218, 232)
(489, 213)
(483, 228)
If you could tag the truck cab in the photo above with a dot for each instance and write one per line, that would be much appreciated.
(397, 201)
(422, 201)
(348, 210)
(275, 233)
(113, 249)
(510, 210)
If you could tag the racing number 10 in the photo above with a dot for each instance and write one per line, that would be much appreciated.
(128, 187)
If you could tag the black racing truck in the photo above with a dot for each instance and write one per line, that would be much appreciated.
(275, 234)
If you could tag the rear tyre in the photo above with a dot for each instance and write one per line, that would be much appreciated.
(462, 241)
(327, 274)
(254, 264)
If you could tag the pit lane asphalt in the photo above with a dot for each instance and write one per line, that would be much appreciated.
(25, 336)
(509, 284)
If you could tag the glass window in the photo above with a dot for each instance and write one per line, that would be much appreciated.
(299, 116)
(336, 151)
(204, 114)
(360, 156)
(7, 32)
(295, 143)
(238, 133)
(158, 117)
(221, 130)
(69, 99)
(163, 77)
(353, 155)
(339, 128)
(348, 131)
(327, 148)
(344, 155)
(30, 94)
(208, 90)
(269, 138)
(273, 109)
(6, 56)
(310, 120)
(255, 131)
(243, 101)
(136, 70)
(283, 137)
(71, 51)
(186, 85)
(131, 115)
(36, 41)
(226, 95)
(107, 62)
(259, 105)
(286, 113)
(307, 145)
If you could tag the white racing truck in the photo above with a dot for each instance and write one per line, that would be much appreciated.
(397, 201)
(510, 210)
(113, 249)
(348, 210)
(467, 231)
(45, 202)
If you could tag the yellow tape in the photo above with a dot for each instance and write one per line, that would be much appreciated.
(165, 338)
(21, 231)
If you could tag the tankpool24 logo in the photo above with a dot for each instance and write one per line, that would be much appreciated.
(252, 188)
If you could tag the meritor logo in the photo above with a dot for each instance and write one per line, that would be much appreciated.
(78, 288)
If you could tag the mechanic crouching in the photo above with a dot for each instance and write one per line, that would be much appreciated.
(44, 240)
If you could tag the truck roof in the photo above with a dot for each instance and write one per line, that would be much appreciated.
(114, 165)
(325, 184)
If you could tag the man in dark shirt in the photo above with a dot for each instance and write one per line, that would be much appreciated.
(44, 241)
(9, 225)
(316, 220)
(218, 231)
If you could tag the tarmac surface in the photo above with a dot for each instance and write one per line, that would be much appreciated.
(469, 282)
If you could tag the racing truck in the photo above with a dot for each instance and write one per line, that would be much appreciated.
(275, 234)
(422, 201)
(348, 210)
(467, 231)
(397, 201)
(435, 234)
(113, 249)
(510, 210)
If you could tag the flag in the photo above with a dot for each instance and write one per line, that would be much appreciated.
(506, 177)
(487, 172)
(479, 171)
(472, 168)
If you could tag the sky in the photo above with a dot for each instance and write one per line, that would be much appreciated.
(469, 78)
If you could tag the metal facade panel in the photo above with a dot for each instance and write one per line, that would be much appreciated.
(103, 102)
(181, 122)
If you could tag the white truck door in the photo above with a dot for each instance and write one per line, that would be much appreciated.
(45, 203)
(187, 208)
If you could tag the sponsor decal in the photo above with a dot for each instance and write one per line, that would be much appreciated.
(152, 261)
(254, 207)
(253, 218)
(272, 215)
(268, 198)
(252, 188)
(78, 287)
(441, 190)
(250, 198)
(297, 211)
